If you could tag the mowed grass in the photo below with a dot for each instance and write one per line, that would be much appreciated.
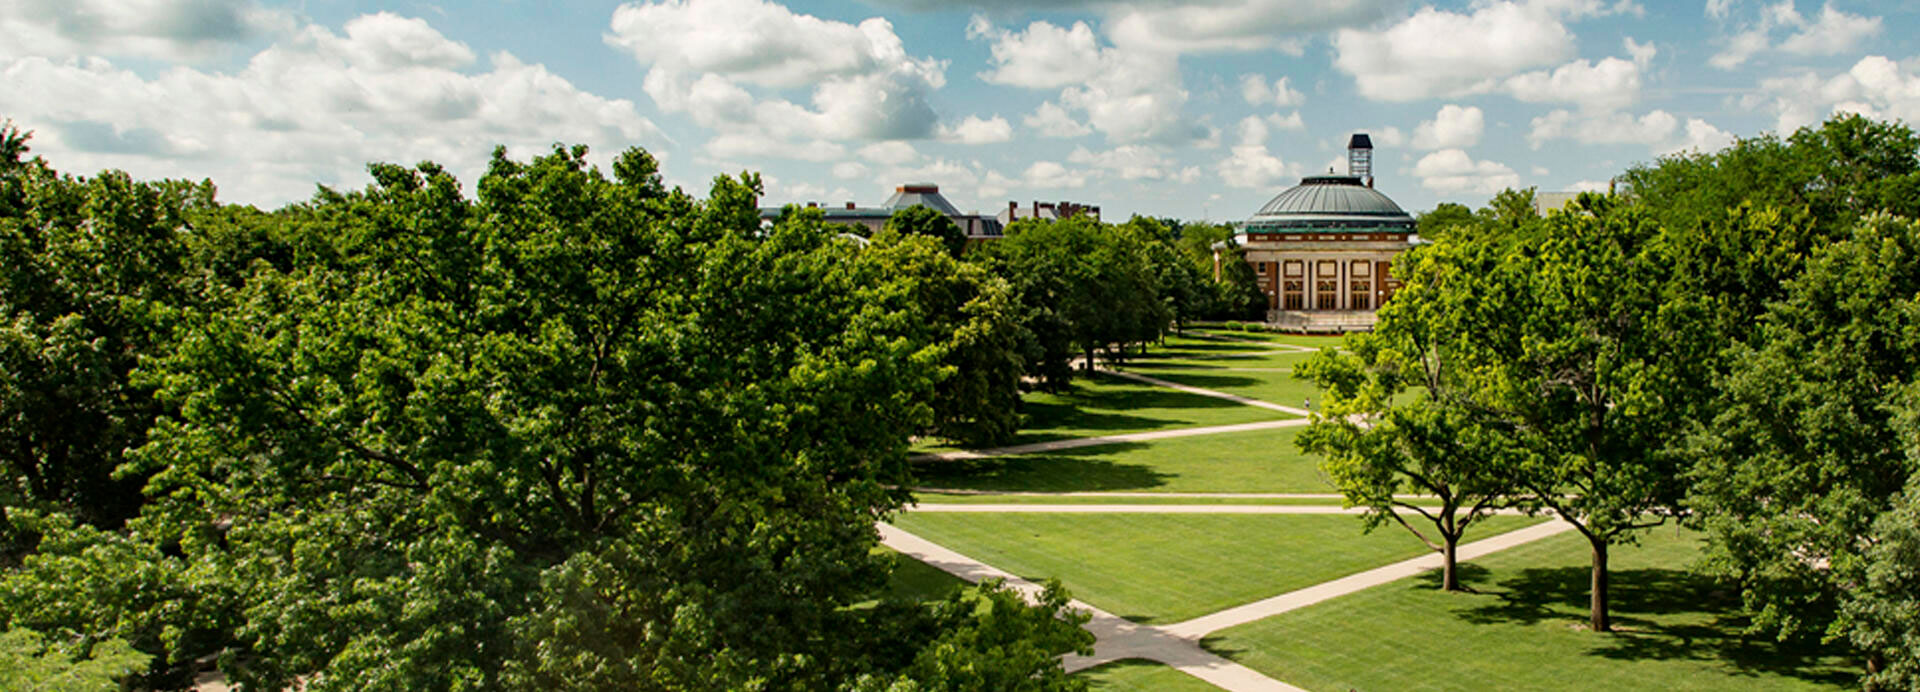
(1108, 405)
(1137, 675)
(1314, 341)
(1275, 387)
(1162, 568)
(1261, 461)
(1133, 499)
(1526, 630)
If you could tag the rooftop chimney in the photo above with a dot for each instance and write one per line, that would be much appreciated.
(849, 205)
(1360, 157)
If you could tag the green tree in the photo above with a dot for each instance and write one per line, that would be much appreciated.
(580, 429)
(88, 271)
(29, 664)
(921, 219)
(1813, 440)
(1436, 223)
(1398, 417)
(1881, 608)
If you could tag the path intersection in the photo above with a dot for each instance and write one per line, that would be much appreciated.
(1177, 644)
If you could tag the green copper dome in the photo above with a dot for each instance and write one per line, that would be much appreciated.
(1331, 202)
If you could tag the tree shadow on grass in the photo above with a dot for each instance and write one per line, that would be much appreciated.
(1207, 380)
(1658, 614)
(1042, 472)
(1113, 409)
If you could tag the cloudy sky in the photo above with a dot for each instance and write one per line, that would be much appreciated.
(1186, 109)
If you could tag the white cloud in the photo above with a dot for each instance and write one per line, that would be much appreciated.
(1451, 171)
(974, 130)
(1874, 86)
(1836, 32)
(1291, 121)
(849, 170)
(1611, 83)
(1643, 53)
(1049, 175)
(1250, 164)
(1453, 127)
(1130, 95)
(1043, 56)
(1051, 120)
(889, 153)
(1661, 132)
(1193, 27)
(315, 107)
(1259, 92)
(699, 54)
(1589, 186)
(1717, 9)
(1436, 53)
(164, 29)
(752, 146)
(1833, 33)
(1132, 162)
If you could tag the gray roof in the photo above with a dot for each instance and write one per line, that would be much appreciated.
(1331, 202)
(911, 195)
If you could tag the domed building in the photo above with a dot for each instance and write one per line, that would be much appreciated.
(1323, 250)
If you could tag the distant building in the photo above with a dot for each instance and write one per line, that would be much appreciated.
(976, 226)
(1050, 211)
(1323, 250)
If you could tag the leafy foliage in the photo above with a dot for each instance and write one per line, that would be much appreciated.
(28, 664)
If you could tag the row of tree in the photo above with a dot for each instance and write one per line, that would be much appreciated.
(1733, 343)
(576, 431)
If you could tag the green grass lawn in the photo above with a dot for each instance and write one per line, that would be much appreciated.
(1139, 499)
(1262, 461)
(1525, 629)
(1275, 386)
(1308, 340)
(1137, 675)
(1161, 568)
(1107, 405)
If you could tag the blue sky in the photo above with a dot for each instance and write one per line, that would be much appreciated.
(1183, 109)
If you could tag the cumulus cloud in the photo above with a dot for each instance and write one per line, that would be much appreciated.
(1043, 56)
(1451, 171)
(700, 54)
(1250, 164)
(1874, 86)
(1832, 33)
(1050, 175)
(314, 107)
(1259, 92)
(1191, 27)
(1051, 120)
(974, 130)
(1134, 162)
(1609, 84)
(1130, 95)
(889, 153)
(1661, 132)
(1453, 127)
(1436, 53)
(165, 29)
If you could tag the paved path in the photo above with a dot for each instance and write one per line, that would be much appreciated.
(1117, 493)
(1071, 443)
(1208, 392)
(1112, 633)
(1178, 644)
(1038, 508)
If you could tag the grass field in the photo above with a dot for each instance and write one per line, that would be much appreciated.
(1307, 340)
(1135, 675)
(1107, 405)
(1262, 461)
(1277, 386)
(1136, 499)
(1161, 568)
(1525, 629)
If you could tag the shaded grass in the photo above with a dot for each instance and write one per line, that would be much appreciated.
(1309, 340)
(1161, 568)
(1108, 405)
(1261, 461)
(1525, 629)
(1133, 674)
(1279, 387)
(1141, 499)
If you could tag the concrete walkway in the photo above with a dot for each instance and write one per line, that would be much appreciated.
(1178, 644)
(1111, 632)
(1208, 392)
(1037, 508)
(1076, 442)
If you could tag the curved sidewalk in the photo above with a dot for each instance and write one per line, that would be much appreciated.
(1076, 442)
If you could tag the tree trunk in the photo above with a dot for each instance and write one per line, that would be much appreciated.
(1600, 623)
(1089, 364)
(1450, 576)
